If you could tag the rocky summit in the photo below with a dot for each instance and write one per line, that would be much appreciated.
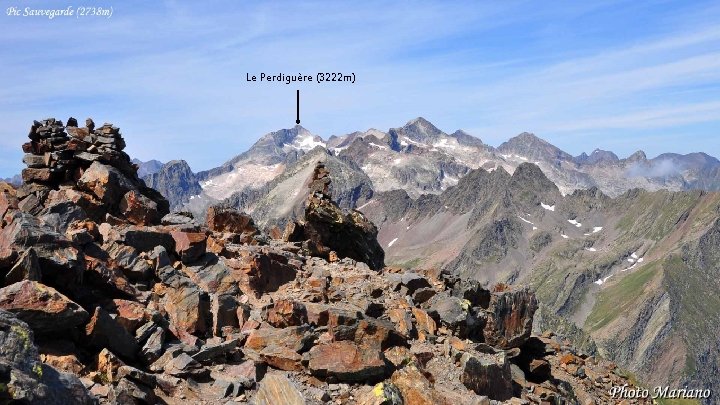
(108, 298)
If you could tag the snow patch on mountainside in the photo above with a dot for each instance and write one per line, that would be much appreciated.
(575, 222)
(245, 175)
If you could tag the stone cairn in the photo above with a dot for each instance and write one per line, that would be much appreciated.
(320, 182)
(89, 163)
(58, 153)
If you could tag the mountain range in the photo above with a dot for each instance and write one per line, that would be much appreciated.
(421, 159)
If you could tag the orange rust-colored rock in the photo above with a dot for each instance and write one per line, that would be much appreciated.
(189, 245)
(42, 307)
(221, 219)
(130, 314)
(510, 316)
(138, 209)
(424, 321)
(287, 313)
(415, 388)
(346, 361)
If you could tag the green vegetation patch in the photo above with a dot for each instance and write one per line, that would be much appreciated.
(618, 298)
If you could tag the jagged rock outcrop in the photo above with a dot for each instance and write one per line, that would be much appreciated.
(327, 229)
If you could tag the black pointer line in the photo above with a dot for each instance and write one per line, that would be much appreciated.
(297, 120)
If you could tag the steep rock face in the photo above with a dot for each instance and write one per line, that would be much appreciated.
(264, 161)
(420, 159)
(175, 181)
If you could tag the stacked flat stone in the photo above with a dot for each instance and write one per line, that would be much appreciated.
(102, 144)
(56, 152)
(47, 156)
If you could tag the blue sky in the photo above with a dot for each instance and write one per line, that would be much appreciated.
(617, 75)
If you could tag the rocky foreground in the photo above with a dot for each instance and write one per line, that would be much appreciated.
(108, 298)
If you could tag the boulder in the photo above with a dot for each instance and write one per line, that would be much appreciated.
(224, 219)
(286, 313)
(129, 314)
(487, 374)
(153, 347)
(351, 325)
(108, 365)
(414, 387)
(8, 201)
(296, 338)
(347, 361)
(452, 312)
(107, 183)
(138, 209)
(127, 391)
(44, 175)
(61, 264)
(212, 275)
(349, 234)
(26, 268)
(282, 358)
(146, 239)
(424, 322)
(402, 319)
(189, 246)
(24, 378)
(105, 332)
(211, 351)
(184, 366)
(41, 307)
(58, 216)
(413, 282)
(187, 306)
(384, 393)
(262, 270)
(510, 318)
(276, 389)
(224, 309)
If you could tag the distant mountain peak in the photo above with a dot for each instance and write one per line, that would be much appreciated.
(419, 130)
(419, 121)
(597, 156)
(465, 138)
(637, 156)
(533, 147)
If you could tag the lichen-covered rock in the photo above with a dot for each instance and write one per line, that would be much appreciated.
(24, 379)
